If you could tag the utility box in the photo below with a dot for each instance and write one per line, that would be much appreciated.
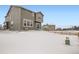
(67, 41)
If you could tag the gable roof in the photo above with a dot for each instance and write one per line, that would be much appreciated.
(17, 7)
(8, 11)
(22, 8)
(40, 13)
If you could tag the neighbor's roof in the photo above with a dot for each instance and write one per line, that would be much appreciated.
(22, 8)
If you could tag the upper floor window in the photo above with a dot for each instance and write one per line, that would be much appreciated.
(39, 18)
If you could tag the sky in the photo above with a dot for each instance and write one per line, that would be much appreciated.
(59, 15)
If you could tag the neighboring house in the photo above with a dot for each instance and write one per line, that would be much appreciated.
(19, 18)
(48, 27)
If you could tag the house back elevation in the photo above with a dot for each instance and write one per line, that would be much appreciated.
(19, 18)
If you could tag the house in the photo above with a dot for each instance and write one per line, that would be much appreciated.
(0, 27)
(19, 18)
(48, 27)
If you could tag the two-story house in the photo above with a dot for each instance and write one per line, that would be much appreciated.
(19, 18)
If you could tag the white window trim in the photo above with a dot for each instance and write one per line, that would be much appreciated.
(30, 22)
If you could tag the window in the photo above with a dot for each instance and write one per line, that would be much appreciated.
(39, 18)
(24, 20)
(24, 24)
(31, 24)
(28, 23)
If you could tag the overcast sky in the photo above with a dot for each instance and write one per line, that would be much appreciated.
(61, 16)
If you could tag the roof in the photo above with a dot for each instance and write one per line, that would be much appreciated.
(40, 13)
(22, 8)
(8, 11)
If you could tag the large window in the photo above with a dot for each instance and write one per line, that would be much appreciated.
(28, 23)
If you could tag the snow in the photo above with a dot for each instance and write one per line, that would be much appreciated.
(69, 32)
(41, 42)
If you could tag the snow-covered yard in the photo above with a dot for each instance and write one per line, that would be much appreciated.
(36, 42)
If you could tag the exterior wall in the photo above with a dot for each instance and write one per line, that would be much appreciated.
(39, 17)
(14, 16)
(28, 16)
(39, 20)
(7, 19)
(17, 16)
(38, 25)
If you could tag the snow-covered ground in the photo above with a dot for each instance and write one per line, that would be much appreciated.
(36, 42)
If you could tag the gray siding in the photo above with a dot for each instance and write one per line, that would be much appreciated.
(39, 17)
(27, 15)
(39, 20)
(15, 16)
